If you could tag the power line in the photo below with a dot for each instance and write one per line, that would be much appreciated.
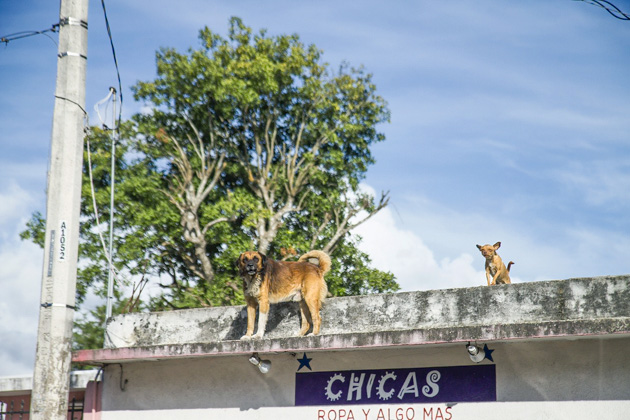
(613, 10)
(111, 41)
(54, 28)
(25, 34)
(110, 279)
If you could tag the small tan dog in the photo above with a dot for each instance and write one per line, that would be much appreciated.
(268, 281)
(496, 272)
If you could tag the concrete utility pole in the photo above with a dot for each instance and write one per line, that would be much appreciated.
(51, 379)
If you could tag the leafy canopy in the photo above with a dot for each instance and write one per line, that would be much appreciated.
(249, 142)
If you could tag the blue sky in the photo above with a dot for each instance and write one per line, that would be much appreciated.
(510, 122)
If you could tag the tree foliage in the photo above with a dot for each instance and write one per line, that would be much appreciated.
(250, 142)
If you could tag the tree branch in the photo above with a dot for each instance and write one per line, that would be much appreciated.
(343, 225)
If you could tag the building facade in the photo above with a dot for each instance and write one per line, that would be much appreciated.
(546, 350)
(15, 396)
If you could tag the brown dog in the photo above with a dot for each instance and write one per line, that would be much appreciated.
(268, 281)
(496, 272)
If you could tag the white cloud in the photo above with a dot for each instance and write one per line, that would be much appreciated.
(433, 247)
(15, 204)
(414, 264)
(20, 282)
(600, 183)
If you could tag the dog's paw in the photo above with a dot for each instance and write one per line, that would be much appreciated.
(257, 336)
(246, 337)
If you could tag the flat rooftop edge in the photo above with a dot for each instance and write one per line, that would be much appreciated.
(580, 307)
(617, 327)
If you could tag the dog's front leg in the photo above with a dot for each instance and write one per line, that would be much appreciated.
(488, 276)
(263, 314)
(496, 277)
(251, 319)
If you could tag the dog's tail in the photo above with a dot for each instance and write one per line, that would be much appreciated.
(322, 260)
(319, 258)
(509, 265)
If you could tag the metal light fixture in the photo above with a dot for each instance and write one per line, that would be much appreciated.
(263, 365)
(475, 352)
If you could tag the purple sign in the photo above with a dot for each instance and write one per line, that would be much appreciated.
(394, 386)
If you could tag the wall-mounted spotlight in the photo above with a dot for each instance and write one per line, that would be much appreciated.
(263, 365)
(476, 353)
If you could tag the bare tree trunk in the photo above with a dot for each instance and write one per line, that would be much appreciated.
(289, 170)
(193, 234)
(190, 188)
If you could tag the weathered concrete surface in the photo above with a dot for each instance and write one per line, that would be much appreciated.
(552, 309)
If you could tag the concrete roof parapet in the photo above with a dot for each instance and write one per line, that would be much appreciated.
(559, 308)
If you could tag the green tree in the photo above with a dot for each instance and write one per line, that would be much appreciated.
(251, 142)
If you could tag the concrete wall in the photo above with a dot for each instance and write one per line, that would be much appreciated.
(562, 307)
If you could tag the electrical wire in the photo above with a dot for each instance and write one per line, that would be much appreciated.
(95, 208)
(86, 124)
(615, 11)
(25, 34)
(73, 102)
(111, 41)
(97, 106)
(108, 257)
(112, 272)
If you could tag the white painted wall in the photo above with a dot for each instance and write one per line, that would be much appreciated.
(535, 379)
(599, 410)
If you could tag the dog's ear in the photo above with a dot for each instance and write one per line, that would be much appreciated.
(238, 261)
(497, 246)
(263, 263)
(479, 247)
